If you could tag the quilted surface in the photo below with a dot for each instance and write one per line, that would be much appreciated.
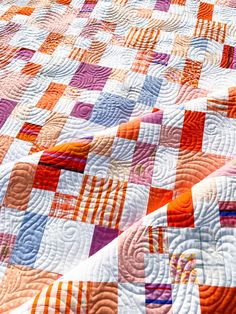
(117, 156)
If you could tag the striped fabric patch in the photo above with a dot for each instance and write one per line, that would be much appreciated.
(227, 214)
(142, 38)
(211, 30)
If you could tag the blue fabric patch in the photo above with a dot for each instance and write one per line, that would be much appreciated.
(150, 91)
(148, 301)
(111, 110)
(28, 239)
(227, 213)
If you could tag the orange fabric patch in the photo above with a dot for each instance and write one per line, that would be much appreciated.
(51, 130)
(156, 239)
(129, 130)
(181, 212)
(25, 11)
(20, 186)
(5, 143)
(205, 11)
(222, 105)
(102, 145)
(51, 96)
(158, 198)
(22, 283)
(29, 132)
(179, 2)
(31, 69)
(51, 42)
(63, 206)
(227, 56)
(191, 73)
(7, 53)
(142, 38)
(65, 2)
(215, 300)
(102, 295)
(187, 164)
(211, 30)
(89, 56)
(143, 61)
(79, 149)
(8, 15)
(192, 133)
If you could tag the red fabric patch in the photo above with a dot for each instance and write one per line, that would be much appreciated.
(46, 178)
(192, 133)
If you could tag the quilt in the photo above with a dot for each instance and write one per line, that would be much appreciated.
(118, 156)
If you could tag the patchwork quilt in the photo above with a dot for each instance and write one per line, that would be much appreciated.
(118, 156)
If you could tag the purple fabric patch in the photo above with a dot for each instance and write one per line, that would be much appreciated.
(143, 164)
(155, 118)
(6, 107)
(88, 7)
(233, 65)
(158, 291)
(101, 237)
(161, 58)
(162, 5)
(11, 28)
(82, 110)
(151, 286)
(91, 77)
(25, 54)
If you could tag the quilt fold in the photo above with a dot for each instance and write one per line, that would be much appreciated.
(160, 259)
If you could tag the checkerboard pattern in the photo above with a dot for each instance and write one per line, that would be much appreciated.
(156, 265)
(117, 147)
